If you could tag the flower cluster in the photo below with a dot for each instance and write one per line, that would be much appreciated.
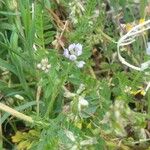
(44, 65)
(72, 53)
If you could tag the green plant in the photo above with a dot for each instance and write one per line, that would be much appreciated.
(61, 76)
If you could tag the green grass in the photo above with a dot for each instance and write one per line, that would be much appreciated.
(96, 107)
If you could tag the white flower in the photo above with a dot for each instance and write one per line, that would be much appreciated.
(44, 65)
(73, 49)
(72, 53)
(82, 103)
(80, 64)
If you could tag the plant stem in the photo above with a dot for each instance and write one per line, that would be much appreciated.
(15, 113)
(38, 94)
(57, 89)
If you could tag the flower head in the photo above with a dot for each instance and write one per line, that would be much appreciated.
(72, 53)
(44, 65)
(80, 64)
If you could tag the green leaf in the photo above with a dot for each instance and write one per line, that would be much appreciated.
(8, 66)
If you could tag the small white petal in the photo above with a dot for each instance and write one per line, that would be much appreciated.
(72, 57)
(44, 61)
(48, 66)
(78, 49)
(80, 64)
(39, 66)
(71, 47)
(66, 53)
(43, 68)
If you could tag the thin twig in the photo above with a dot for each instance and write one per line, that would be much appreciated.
(38, 94)
(60, 37)
(55, 18)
